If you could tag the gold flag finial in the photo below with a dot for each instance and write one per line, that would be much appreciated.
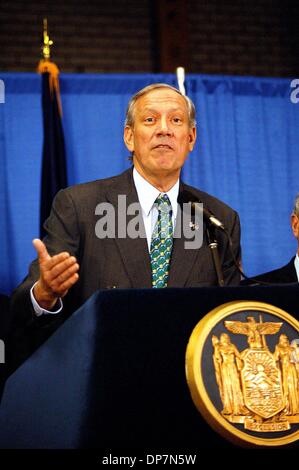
(46, 66)
(46, 48)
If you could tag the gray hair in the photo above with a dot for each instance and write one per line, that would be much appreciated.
(131, 106)
(296, 206)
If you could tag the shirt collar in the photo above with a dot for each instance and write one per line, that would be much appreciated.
(147, 194)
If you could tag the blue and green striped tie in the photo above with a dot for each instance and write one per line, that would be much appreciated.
(161, 244)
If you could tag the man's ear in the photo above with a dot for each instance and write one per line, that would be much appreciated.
(129, 138)
(192, 138)
(295, 225)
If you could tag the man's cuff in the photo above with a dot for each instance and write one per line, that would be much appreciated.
(41, 311)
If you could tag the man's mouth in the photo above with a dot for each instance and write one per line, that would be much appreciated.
(163, 146)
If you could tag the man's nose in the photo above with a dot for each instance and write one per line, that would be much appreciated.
(164, 127)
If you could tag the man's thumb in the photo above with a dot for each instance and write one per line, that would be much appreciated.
(41, 249)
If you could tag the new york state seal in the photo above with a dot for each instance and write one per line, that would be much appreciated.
(242, 368)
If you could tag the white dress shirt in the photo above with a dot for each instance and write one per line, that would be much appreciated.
(296, 262)
(147, 194)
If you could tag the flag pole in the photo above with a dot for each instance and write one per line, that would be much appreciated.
(180, 75)
(46, 65)
(54, 168)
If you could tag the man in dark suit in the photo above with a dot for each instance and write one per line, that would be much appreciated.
(74, 262)
(4, 328)
(290, 272)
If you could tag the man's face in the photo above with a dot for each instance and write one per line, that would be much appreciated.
(295, 227)
(161, 137)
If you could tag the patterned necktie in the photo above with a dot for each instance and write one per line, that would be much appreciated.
(161, 244)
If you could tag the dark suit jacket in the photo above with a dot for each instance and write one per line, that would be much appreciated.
(116, 262)
(286, 274)
(4, 328)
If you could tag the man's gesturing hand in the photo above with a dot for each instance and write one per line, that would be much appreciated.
(57, 274)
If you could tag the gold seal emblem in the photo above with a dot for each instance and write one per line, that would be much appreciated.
(242, 367)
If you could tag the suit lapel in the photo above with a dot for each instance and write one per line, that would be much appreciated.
(133, 251)
(182, 260)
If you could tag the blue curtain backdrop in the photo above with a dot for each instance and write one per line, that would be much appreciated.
(246, 154)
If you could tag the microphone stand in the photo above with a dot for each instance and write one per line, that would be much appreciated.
(213, 244)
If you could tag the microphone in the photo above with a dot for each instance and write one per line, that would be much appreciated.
(186, 197)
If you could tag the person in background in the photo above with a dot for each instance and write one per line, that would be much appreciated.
(290, 272)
